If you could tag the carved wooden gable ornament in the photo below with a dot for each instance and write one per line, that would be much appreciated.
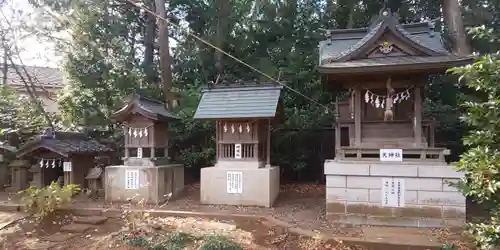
(386, 45)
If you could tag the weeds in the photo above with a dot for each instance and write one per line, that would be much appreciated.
(174, 241)
(219, 242)
(447, 246)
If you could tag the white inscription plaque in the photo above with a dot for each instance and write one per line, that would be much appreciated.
(139, 152)
(132, 179)
(237, 151)
(387, 154)
(393, 192)
(234, 182)
(67, 166)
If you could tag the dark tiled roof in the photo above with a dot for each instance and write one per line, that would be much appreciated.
(402, 61)
(150, 108)
(241, 101)
(342, 43)
(63, 143)
(46, 77)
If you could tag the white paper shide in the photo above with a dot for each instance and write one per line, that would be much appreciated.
(234, 182)
(387, 154)
(393, 191)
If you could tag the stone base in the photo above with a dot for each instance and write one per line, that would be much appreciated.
(155, 183)
(354, 194)
(260, 186)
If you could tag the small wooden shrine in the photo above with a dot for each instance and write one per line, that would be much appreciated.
(56, 156)
(243, 174)
(382, 140)
(148, 172)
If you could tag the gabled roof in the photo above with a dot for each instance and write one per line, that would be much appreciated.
(431, 64)
(152, 109)
(350, 44)
(42, 76)
(63, 143)
(239, 101)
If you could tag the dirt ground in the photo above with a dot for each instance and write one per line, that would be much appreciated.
(249, 234)
(301, 205)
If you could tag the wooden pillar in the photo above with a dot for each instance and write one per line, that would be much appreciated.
(337, 129)
(68, 178)
(166, 150)
(357, 117)
(268, 146)
(431, 135)
(417, 118)
(217, 128)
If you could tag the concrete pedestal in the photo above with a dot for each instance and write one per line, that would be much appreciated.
(155, 183)
(259, 186)
(354, 194)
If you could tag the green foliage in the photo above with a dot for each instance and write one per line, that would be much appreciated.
(486, 235)
(219, 242)
(106, 62)
(19, 113)
(448, 247)
(174, 241)
(481, 163)
(43, 201)
(139, 241)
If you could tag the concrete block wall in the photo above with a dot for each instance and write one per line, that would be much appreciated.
(354, 194)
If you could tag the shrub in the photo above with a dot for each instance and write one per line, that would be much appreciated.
(481, 163)
(43, 201)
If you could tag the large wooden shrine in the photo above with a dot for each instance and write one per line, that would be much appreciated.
(243, 174)
(387, 169)
(148, 173)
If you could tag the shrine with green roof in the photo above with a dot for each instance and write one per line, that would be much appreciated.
(387, 169)
(243, 114)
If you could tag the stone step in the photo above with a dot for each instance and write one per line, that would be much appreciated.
(75, 228)
(86, 212)
(59, 237)
(91, 220)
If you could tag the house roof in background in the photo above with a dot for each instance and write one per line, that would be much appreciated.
(44, 76)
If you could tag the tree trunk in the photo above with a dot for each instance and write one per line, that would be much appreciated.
(454, 23)
(165, 59)
(223, 9)
(149, 39)
(5, 68)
